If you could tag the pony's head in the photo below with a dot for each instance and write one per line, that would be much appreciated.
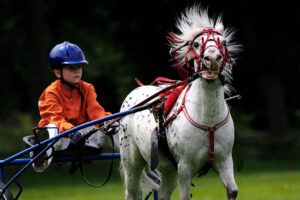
(203, 45)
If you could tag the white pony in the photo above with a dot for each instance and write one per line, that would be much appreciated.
(202, 130)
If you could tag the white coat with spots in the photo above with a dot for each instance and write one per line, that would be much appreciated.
(189, 145)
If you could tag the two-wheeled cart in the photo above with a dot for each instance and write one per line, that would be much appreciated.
(5, 193)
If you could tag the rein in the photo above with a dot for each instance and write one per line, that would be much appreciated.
(210, 129)
(186, 81)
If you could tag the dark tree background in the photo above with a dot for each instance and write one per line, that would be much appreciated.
(127, 39)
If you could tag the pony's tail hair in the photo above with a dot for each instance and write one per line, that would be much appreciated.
(149, 180)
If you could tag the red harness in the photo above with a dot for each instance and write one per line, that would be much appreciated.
(183, 74)
(172, 97)
(210, 129)
(210, 32)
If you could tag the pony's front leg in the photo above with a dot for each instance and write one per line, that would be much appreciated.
(225, 171)
(184, 180)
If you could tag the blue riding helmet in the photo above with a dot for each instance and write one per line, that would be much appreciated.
(66, 53)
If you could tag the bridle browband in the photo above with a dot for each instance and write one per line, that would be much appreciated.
(198, 59)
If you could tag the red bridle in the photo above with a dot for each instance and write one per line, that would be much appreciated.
(198, 59)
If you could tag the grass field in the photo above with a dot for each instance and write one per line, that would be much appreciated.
(259, 180)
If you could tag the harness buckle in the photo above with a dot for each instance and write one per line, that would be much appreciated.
(174, 115)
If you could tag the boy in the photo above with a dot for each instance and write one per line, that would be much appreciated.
(67, 102)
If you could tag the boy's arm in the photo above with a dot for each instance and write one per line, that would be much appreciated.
(52, 113)
(94, 109)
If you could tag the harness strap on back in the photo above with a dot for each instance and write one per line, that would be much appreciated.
(157, 94)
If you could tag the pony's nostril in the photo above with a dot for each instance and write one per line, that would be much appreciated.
(219, 58)
(206, 58)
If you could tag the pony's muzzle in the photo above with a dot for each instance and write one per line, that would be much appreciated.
(212, 63)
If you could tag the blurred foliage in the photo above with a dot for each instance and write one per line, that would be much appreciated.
(12, 132)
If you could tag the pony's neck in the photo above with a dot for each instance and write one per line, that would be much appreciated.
(208, 101)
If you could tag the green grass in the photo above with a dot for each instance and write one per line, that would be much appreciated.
(252, 186)
(267, 180)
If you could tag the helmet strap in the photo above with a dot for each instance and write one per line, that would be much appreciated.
(62, 80)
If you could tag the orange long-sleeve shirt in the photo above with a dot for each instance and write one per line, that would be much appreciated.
(64, 107)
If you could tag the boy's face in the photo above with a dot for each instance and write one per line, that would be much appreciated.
(71, 73)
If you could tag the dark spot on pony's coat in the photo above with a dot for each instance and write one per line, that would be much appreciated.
(130, 98)
(123, 127)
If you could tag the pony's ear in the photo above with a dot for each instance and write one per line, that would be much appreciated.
(219, 27)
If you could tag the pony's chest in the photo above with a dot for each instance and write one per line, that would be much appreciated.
(185, 138)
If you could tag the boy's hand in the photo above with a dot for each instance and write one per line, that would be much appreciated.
(115, 126)
(76, 136)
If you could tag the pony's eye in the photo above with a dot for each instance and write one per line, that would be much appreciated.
(196, 45)
(224, 42)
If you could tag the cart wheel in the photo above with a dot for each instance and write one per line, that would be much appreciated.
(7, 194)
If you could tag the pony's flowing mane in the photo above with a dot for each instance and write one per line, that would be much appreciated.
(193, 21)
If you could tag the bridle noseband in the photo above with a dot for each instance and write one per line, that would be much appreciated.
(198, 59)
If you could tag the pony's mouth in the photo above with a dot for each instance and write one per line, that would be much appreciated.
(210, 74)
